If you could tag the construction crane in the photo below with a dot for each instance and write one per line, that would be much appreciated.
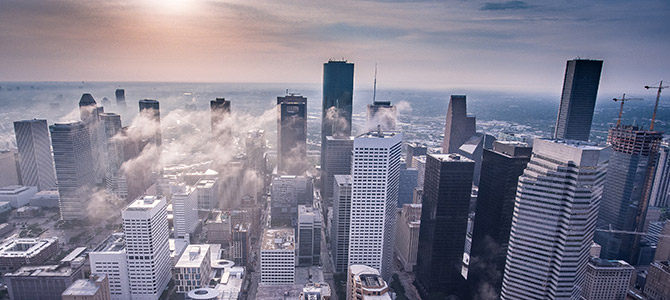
(623, 99)
(610, 230)
(660, 87)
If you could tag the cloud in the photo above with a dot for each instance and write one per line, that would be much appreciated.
(509, 5)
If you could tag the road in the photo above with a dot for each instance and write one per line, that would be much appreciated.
(407, 280)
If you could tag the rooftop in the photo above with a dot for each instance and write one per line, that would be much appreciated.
(13, 189)
(25, 247)
(84, 287)
(380, 134)
(43, 271)
(114, 243)
(583, 145)
(451, 158)
(205, 183)
(278, 239)
(193, 256)
(606, 263)
(144, 203)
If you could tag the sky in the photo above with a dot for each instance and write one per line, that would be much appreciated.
(513, 46)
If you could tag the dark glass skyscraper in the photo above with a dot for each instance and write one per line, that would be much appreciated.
(220, 108)
(580, 88)
(501, 168)
(444, 222)
(337, 154)
(627, 190)
(120, 97)
(151, 109)
(291, 135)
(338, 91)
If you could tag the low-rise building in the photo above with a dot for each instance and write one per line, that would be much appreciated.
(17, 195)
(315, 291)
(606, 279)
(278, 256)
(16, 252)
(219, 228)
(46, 198)
(657, 286)
(193, 270)
(96, 287)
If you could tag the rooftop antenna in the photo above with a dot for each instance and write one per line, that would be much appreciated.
(374, 89)
(660, 87)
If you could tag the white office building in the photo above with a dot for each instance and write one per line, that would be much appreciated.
(37, 164)
(185, 212)
(148, 256)
(17, 195)
(606, 279)
(208, 193)
(375, 184)
(555, 212)
(194, 269)
(339, 231)
(278, 257)
(110, 259)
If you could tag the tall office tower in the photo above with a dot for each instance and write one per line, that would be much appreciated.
(278, 256)
(291, 135)
(185, 210)
(460, 127)
(337, 154)
(365, 283)
(419, 162)
(407, 235)
(115, 182)
(220, 108)
(35, 160)
(501, 168)
(606, 279)
(309, 236)
(660, 193)
(580, 89)
(554, 219)
(375, 176)
(339, 229)
(627, 190)
(146, 229)
(408, 182)
(239, 246)
(150, 109)
(287, 193)
(444, 222)
(382, 115)
(338, 91)
(74, 168)
(658, 281)
(90, 116)
(120, 97)
(473, 149)
(109, 258)
(414, 149)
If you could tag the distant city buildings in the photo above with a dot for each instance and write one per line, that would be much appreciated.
(150, 109)
(75, 170)
(627, 191)
(278, 256)
(459, 127)
(556, 206)
(35, 159)
(339, 235)
(338, 91)
(220, 108)
(291, 135)
(444, 223)
(120, 98)
(375, 176)
(578, 99)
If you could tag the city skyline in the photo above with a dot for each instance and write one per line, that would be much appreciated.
(456, 44)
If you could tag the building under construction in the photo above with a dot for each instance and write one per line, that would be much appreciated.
(627, 190)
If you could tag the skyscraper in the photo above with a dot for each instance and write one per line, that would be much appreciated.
(414, 149)
(148, 255)
(90, 117)
(150, 109)
(555, 211)
(74, 168)
(337, 154)
(627, 190)
(309, 236)
(113, 155)
(291, 135)
(220, 107)
(460, 127)
(578, 99)
(35, 160)
(339, 234)
(375, 176)
(287, 193)
(120, 97)
(660, 193)
(444, 223)
(380, 114)
(338, 91)
(501, 168)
